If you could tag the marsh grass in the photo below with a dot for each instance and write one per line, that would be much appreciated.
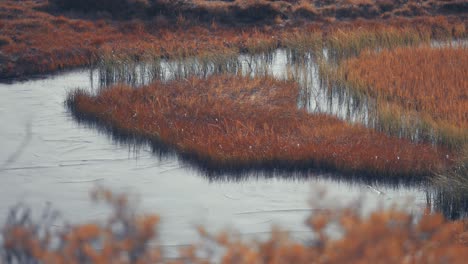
(228, 121)
(419, 91)
(220, 49)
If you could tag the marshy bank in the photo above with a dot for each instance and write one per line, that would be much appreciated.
(37, 41)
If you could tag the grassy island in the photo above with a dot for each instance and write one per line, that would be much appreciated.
(229, 121)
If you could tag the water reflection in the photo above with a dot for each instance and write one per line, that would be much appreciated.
(452, 203)
(316, 94)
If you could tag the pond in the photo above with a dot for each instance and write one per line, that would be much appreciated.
(48, 157)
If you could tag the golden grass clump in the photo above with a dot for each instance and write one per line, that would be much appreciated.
(427, 85)
(229, 122)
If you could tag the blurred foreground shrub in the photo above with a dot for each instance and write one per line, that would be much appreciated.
(390, 236)
(122, 239)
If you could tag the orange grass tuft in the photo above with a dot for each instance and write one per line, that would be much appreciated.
(430, 84)
(236, 122)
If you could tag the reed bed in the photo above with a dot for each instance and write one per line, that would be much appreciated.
(422, 90)
(385, 236)
(230, 122)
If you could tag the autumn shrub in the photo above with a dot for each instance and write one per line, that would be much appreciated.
(384, 236)
(123, 238)
(391, 236)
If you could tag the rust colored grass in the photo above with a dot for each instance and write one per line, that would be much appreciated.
(235, 122)
(429, 84)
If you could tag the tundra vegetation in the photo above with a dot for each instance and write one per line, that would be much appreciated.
(42, 36)
(382, 51)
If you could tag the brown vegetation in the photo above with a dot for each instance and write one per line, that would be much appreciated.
(428, 86)
(36, 41)
(235, 122)
(235, 11)
(123, 238)
(385, 236)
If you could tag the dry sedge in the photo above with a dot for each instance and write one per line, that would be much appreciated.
(429, 84)
(235, 122)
